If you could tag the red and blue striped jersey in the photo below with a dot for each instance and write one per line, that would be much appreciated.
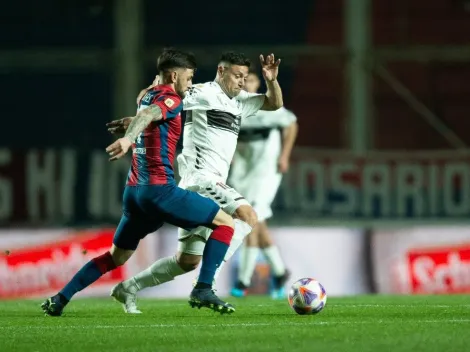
(154, 149)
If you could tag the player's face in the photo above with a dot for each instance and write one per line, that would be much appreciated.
(184, 81)
(233, 78)
(252, 83)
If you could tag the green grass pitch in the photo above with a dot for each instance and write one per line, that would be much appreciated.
(363, 323)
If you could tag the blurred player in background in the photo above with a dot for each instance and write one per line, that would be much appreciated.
(214, 111)
(264, 147)
(151, 196)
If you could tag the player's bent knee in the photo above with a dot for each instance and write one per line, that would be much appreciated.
(188, 262)
(120, 256)
(247, 214)
(223, 219)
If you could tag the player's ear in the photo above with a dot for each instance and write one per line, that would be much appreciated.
(220, 70)
(174, 76)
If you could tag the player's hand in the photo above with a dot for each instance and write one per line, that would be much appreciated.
(283, 165)
(119, 126)
(156, 81)
(119, 148)
(270, 67)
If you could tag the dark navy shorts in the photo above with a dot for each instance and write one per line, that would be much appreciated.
(147, 208)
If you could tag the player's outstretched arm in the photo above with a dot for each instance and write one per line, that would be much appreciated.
(270, 68)
(119, 126)
(143, 118)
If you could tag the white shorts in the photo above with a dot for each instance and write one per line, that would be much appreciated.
(193, 242)
(254, 173)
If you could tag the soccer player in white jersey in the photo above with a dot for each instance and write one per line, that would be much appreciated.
(214, 113)
(264, 147)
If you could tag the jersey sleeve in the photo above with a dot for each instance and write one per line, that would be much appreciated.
(171, 105)
(285, 118)
(251, 103)
(197, 98)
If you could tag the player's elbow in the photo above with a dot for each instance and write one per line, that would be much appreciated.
(271, 104)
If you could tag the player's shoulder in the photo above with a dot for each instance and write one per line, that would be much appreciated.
(244, 95)
(202, 88)
(167, 94)
(201, 93)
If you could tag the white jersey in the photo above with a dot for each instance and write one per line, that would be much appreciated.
(265, 126)
(254, 171)
(269, 119)
(212, 125)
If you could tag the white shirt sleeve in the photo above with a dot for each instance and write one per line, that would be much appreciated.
(285, 117)
(250, 102)
(196, 98)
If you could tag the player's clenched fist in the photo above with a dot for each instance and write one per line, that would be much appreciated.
(119, 148)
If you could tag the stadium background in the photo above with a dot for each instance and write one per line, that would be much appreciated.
(378, 195)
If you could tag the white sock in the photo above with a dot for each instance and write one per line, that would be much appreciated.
(242, 229)
(242, 258)
(163, 270)
(274, 259)
(249, 265)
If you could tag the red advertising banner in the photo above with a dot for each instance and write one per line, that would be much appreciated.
(444, 269)
(40, 269)
(422, 260)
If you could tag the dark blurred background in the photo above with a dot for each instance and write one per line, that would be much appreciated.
(361, 76)
(67, 67)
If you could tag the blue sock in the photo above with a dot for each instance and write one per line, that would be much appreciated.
(88, 274)
(214, 254)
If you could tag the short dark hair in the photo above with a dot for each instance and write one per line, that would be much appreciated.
(234, 58)
(172, 58)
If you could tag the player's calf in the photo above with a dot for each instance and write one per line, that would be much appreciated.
(87, 275)
(163, 270)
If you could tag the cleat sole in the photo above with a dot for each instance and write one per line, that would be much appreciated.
(216, 308)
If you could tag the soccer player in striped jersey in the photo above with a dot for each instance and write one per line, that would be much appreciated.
(151, 196)
(214, 113)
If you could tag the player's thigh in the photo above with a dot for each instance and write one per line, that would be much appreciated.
(226, 197)
(132, 229)
(187, 209)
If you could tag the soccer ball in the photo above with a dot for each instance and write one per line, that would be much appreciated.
(307, 296)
